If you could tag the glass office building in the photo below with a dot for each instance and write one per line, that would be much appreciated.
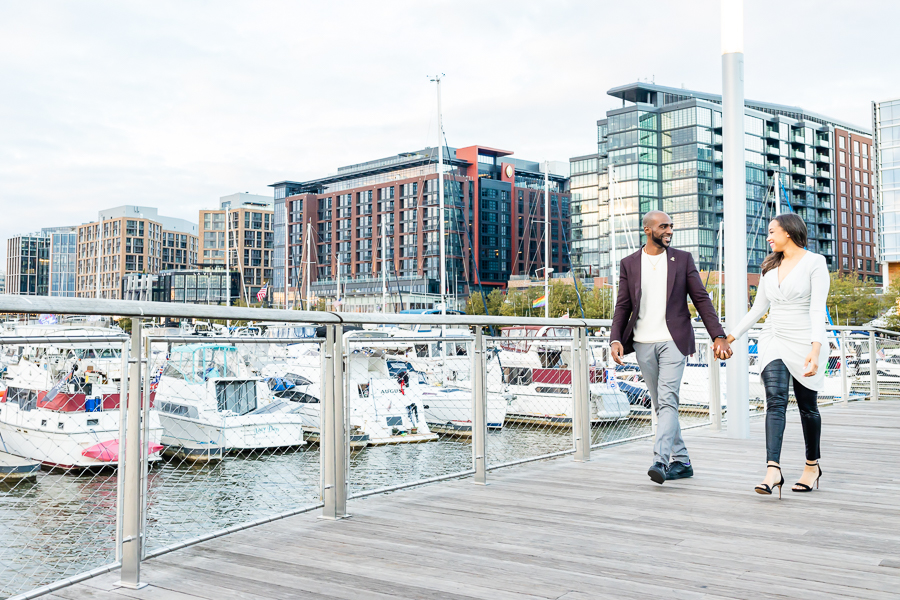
(886, 121)
(63, 260)
(662, 150)
(583, 182)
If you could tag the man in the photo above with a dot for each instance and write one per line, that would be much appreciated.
(652, 320)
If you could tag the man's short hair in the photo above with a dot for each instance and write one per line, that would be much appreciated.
(650, 216)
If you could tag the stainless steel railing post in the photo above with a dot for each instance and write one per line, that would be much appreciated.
(120, 472)
(479, 409)
(845, 388)
(715, 392)
(131, 463)
(332, 439)
(873, 370)
(581, 420)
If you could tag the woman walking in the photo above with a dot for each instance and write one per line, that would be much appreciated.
(793, 287)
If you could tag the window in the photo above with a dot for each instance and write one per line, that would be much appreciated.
(843, 172)
(843, 158)
(841, 141)
(238, 397)
(843, 217)
(859, 264)
(844, 247)
(855, 147)
(856, 161)
(843, 201)
(865, 149)
(858, 220)
(843, 232)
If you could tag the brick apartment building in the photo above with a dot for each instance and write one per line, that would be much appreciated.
(133, 239)
(250, 233)
(494, 213)
(857, 227)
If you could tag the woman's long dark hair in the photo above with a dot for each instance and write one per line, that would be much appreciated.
(796, 230)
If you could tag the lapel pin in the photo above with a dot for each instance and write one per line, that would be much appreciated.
(672, 259)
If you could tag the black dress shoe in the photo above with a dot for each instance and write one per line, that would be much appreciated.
(680, 470)
(658, 472)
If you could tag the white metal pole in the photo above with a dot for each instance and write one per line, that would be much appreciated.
(614, 270)
(383, 270)
(337, 293)
(721, 272)
(735, 212)
(547, 260)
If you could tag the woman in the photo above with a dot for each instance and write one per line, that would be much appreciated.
(793, 287)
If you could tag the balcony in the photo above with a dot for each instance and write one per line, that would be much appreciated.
(823, 158)
(798, 170)
(772, 150)
(823, 173)
(771, 132)
(773, 166)
(823, 189)
(823, 142)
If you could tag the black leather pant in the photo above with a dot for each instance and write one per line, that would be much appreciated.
(776, 378)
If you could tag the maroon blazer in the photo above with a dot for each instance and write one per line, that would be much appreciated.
(683, 281)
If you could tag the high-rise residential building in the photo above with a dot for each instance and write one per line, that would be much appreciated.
(494, 226)
(28, 264)
(130, 239)
(857, 212)
(250, 239)
(886, 125)
(2, 282)
(663, 150)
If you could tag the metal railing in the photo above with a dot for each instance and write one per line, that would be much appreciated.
(231, 432)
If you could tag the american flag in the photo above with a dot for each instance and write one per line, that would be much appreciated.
(262, 292)
(154, 381)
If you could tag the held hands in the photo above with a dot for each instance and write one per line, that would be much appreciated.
(722, 348)
(617, 351)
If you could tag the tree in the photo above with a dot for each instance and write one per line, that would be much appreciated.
(475, 305)
(852, 301)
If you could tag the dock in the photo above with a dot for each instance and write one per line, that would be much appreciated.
(583, 531)
(13, 468)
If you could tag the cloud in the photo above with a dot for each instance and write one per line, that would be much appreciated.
(173, 104)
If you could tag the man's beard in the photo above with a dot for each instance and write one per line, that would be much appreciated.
(659, 241)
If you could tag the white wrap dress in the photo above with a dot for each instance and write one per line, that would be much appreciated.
(796, 318)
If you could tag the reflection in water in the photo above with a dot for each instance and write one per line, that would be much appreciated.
(62, 524)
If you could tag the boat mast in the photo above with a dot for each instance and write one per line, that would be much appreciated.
(547, 261)
(440, 170)
(383, 270)
(614, 270)
(309, 260)
(286, 259)
(777, 195)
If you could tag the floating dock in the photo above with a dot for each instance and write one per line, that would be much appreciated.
(358, 441)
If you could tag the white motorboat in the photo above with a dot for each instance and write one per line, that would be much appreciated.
(208, 399)
(72, 423)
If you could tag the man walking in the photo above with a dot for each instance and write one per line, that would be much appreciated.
(652, 319)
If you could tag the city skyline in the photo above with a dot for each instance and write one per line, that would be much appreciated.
(174, 107)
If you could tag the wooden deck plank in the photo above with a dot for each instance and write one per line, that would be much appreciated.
(572, 531)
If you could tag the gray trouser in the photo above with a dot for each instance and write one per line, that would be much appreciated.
(662, 365)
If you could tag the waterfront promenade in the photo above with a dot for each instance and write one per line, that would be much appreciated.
(578, 531)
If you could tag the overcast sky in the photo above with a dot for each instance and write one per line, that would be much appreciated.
(174, 104)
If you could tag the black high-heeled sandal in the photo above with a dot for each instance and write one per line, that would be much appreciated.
(764, 488)
(802, 487)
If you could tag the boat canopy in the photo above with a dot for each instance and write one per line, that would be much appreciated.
(196, 363)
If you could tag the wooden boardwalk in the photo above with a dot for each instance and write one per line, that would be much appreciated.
(564, 530)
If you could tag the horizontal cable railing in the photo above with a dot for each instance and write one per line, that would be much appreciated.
(231, 431)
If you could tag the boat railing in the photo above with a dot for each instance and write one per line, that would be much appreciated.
(324, 421)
